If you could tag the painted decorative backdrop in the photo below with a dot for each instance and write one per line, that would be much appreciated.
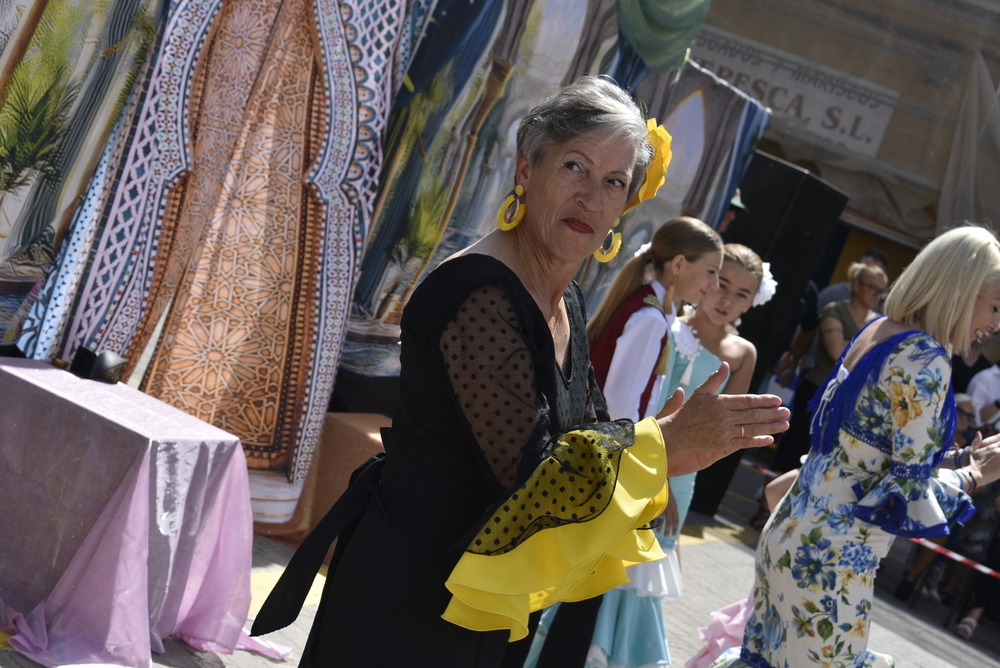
(203, 185)
(67, 70)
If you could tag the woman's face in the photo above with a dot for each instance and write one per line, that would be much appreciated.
(695, 279)
(985, 314)
(574, 193)
(733, 297)
(869, 290)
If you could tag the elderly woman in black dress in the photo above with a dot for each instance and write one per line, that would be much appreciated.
(505, 487)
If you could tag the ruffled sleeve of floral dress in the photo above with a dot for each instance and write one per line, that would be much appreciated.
(570, 528)
(915, 407)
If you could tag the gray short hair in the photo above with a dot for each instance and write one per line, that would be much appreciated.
(589, 105)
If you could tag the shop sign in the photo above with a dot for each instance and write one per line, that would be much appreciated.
(821, 101)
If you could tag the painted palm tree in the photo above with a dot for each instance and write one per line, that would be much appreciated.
(502, 56)
(124, 36)
(36, 100)
(31, 123)
(421, 238)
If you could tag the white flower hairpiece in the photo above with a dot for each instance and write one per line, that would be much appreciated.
(768, 286)
(643, 248)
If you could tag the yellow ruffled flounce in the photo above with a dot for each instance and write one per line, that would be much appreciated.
(571, 562)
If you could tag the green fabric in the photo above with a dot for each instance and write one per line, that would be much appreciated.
(824, 363)
(661, 31)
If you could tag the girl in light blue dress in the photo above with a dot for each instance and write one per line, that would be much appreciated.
(705, 337)
(629, 631)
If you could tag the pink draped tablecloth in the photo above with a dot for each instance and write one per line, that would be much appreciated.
(124, 521)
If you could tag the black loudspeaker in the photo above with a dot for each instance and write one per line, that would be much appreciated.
(106, 367)
(792, 216)
(10, 350)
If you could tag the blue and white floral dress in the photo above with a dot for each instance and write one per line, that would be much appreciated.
(878, 433)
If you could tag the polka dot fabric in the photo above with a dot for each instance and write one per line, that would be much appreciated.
(573, 484)
(493, 377)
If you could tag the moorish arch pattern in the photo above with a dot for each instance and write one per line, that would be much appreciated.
(241, 258)
(318, 154)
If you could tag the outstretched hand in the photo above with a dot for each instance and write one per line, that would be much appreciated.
(707, 427)
(984, 459)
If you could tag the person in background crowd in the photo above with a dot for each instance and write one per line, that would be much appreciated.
(985, 589)
(842, 291)
(985, 391)
(965, 367)
(736, 207)
(801, 351)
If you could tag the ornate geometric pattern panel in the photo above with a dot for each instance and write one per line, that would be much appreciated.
(233, 58)
(225, 345)
(46, 324)
(345, 177)
(111, 297)
(372, 28)
(47, 318)
(295, 384)
(156, 296)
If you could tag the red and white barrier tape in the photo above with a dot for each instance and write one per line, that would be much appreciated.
(759, 468)
(920, 541)
(957, 557)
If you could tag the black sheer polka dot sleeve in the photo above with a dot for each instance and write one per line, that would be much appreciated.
(492, 374)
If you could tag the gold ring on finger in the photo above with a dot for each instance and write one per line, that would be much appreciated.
(743, 431)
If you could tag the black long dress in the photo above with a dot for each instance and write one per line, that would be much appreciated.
(481, 398)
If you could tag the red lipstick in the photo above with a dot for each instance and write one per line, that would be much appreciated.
(578, 225)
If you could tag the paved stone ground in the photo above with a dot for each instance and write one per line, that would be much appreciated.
(717, 560)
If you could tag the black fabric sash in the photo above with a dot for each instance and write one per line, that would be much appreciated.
(285, 601)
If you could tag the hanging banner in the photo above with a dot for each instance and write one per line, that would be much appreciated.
(819, 101)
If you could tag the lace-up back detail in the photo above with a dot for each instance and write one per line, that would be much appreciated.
(493, 377)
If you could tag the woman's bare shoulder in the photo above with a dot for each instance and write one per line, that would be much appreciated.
(873, 335)
(737, 351)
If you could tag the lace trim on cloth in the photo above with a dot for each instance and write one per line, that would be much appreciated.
(687, 342)
(688, 346)
(572, 560)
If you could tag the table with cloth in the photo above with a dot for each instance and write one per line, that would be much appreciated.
(125, 521)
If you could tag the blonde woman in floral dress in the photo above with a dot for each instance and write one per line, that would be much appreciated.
(882, 422)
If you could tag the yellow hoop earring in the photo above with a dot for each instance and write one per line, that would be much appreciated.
(602, 255)
(512, 210)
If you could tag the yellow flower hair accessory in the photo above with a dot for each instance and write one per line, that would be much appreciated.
(656, 173)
